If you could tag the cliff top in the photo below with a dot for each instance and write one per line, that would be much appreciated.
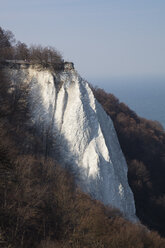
(24, 64)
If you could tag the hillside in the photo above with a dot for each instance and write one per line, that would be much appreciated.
(41, 204)
(143, 144)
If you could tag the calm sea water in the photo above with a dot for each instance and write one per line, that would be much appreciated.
(146, 96)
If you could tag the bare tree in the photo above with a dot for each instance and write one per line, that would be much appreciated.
(6, 42)
(36, 54)
(6, 38)
(45, 56)
(21, 51)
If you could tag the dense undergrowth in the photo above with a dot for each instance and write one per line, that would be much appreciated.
(143, 144)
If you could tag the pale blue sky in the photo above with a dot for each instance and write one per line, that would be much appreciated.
(105, 39)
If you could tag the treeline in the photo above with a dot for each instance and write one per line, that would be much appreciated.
(143, 144)
(35, 54)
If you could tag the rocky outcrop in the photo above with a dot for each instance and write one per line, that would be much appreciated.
(64, 103)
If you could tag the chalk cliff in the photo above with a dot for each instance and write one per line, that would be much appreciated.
(64, 104)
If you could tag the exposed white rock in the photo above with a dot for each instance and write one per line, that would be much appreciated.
(86, 136)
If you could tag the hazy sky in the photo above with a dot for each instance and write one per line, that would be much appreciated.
(104, 38)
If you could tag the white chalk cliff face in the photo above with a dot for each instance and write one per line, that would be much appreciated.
(85, 135)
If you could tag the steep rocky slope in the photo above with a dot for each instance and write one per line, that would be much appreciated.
(64, 107)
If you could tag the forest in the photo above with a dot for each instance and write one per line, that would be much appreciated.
(143, 144)
(40, 204)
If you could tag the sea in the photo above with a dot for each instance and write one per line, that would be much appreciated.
(144, 95)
